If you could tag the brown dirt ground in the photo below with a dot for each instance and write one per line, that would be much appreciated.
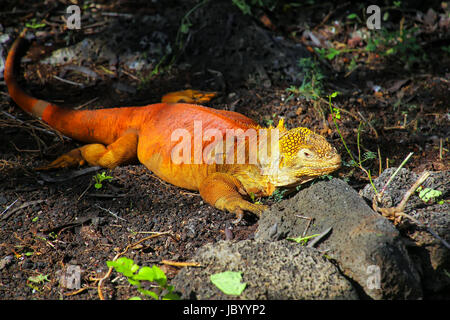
(70, 222)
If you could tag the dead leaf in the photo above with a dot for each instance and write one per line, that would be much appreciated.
(430, 17)
(397, 85)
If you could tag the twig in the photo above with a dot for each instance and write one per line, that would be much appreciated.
(86, 103)
(23, 206)
(68, 81)
(307, 226)
(370, 125)
(312, 243)
(180, 264)
(7, 208)
(393, 175)
(110, 212)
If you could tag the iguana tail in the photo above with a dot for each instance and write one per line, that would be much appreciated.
(28, 103)
(103, 125)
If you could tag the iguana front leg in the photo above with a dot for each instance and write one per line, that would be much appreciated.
(224, 192)
(120, 151)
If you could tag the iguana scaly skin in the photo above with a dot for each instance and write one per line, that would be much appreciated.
(119, 135)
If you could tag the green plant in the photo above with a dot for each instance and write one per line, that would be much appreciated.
(366, 156)
(402, 45)
(269, 121)
(303, 240)
(185, 26)
(35, 282)
(34, 25)
(229, 282)
(40, 278)
(99, 178)
(246, 5)
(253, 198)
(427, 194)
(137, 276)
(312, 84)
(278, 195)
(446, 49)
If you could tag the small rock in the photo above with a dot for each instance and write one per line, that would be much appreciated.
(71, 278)
(6, 261)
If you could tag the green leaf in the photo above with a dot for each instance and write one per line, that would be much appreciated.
(303, 240)
(159, 276)
(352, 16)
(40, 278)
(427, 194)
(337, 113)
(135, 298)
(185, 27)
(124, 265)
(229, 282)
(171, 296)
(148, 293)
(98, 185)
(334, 94)
(332, 52)
(390, 51)
(145, 273)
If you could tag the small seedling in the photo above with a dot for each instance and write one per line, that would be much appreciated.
(303, 240)
(136, 275)
(34, 281)
(312, 84)
(278, 195)
(34, 25)
(99, 178)
(40, 278)
(427, 194)
(229, 282)
(253, 198)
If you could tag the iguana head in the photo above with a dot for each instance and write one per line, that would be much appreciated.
(302, 156)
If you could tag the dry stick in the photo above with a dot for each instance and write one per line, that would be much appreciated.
(307, 225)
(180, 264)
(394, 174)
(110, 212)
(99, 287)
(370, 125)
(313, 242)
(68, 81)
(26, 204)
(86, 103)
(380, 166)
(7, 208)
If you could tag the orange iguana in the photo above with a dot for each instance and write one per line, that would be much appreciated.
(118, 135)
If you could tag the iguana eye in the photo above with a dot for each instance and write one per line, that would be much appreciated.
(306, 153)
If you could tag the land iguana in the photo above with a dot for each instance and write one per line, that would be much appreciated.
(119, 135)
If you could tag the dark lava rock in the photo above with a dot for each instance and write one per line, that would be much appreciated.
(433, 257)
(367, 247)
(271, 270)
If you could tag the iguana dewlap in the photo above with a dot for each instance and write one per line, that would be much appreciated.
(118, 135)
